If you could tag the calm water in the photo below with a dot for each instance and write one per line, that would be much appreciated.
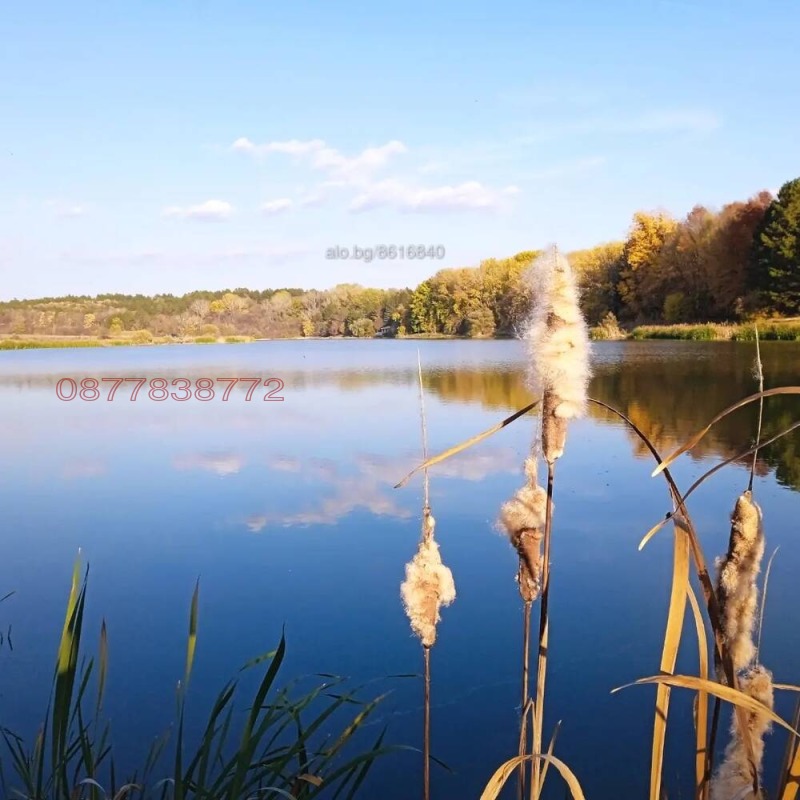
(286, 512)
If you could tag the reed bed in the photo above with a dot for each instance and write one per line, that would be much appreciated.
(278, 743)
(557, 344)
(772, 331)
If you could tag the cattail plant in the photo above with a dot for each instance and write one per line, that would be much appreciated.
(427, 587)
(737, 598)
(737, 591)
(558, 371)
(522, 519)
(733, 780)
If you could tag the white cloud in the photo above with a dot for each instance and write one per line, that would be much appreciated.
(221, 464)
(210, 211)
(292, 147)
(360, 172)
(276, 206)
(470, 195)
(322, 157)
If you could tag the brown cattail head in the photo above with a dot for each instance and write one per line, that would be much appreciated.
(428, 586)
(737, 591)
(558, 346)
(523, 518)
(734, 778)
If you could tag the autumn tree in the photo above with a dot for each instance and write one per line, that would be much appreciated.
(775, 264)
(640, 255)
(598, 270)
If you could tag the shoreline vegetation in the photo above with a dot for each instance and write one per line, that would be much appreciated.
(608, 330)
(701, 277)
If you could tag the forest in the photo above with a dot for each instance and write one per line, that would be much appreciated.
(733, 264)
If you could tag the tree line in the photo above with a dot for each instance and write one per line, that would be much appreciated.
(730, 264)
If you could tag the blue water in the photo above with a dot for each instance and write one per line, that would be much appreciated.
(286, 513)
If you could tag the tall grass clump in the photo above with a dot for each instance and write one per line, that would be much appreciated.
(693, 333)
(278, 743)
(607, 329)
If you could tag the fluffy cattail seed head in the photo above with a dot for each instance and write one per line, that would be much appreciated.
(523, 518)
(558, 348)
(737, 591)
(428, 586)
(733, 779)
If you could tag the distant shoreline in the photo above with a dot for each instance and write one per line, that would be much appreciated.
(768, 330)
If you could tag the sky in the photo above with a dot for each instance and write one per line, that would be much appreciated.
(170, 145)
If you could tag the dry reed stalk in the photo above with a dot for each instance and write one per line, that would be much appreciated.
(558, 348)
(523, 520)
(427, 587)
(759, 373)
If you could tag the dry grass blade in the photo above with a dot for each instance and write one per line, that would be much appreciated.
(764, 599)
(502, 774)
(790, 770)
(706, 475)
(702, 763)
(526, 702)
(550, 750)
(669, 654)
(544, 631)
(468, 443)
(760, 375)
(691, 442)
(726, 693)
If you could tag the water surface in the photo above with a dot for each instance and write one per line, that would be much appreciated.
(286, 512)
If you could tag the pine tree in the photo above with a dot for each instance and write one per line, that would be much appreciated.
(775, 265)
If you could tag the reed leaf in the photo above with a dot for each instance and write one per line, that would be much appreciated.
(706, 475)
(437, 459)
(726, 693)
(693, 440)
(669, 655)
(550, 749)
(790, 770)
(504, 771)
(702, 762)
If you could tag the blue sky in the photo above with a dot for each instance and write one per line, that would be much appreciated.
(170, 145)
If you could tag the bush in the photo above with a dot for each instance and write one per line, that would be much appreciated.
(205, 340)
(142, 336)
(607, 330)
(361, 328)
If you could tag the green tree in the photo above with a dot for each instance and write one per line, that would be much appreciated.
(775, 266)
(115, 326)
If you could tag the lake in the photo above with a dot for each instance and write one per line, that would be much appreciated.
(286, 512)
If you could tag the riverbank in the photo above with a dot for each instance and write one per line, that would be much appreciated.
(46, 342)
(783, 330)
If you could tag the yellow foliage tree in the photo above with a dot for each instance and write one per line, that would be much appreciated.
(640, 255)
